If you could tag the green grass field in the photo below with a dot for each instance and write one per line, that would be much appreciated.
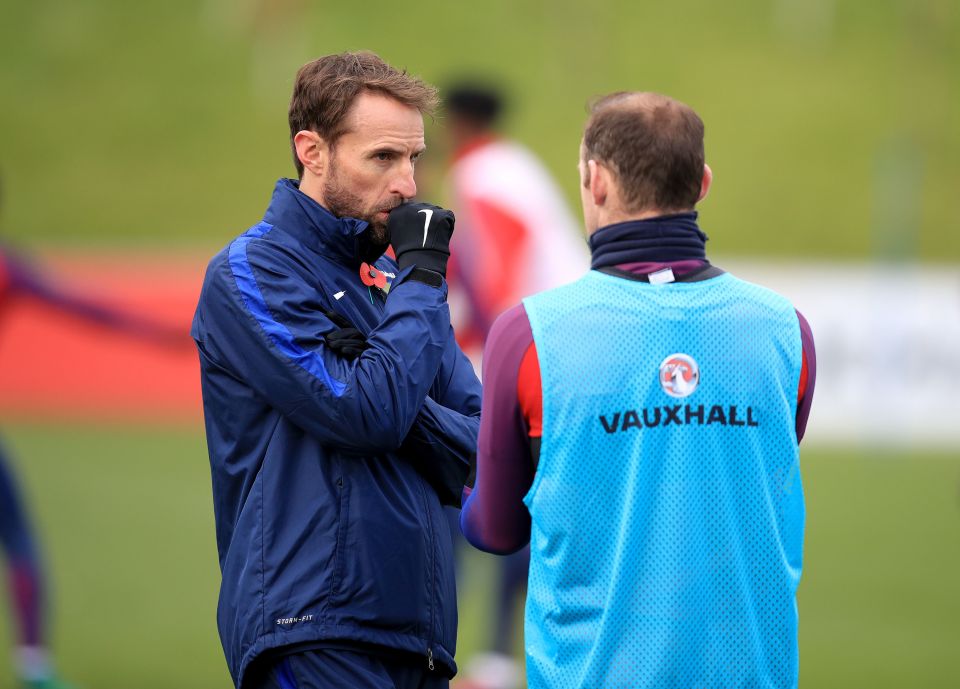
(831, 126)
(126, 520)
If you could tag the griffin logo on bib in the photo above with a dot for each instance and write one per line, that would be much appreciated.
(679, 375)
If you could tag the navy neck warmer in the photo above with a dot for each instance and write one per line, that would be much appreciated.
(657, 240)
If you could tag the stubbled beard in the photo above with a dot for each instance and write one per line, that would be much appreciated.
(344, 203)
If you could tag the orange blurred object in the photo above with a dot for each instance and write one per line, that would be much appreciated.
(56, 366)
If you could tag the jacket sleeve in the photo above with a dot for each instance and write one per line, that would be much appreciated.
(450, 415)
(457, 386)
(494, 517)
(260, 321)
(443, 441)
(808, 376)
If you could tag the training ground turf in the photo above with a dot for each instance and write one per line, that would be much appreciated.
(125, 518)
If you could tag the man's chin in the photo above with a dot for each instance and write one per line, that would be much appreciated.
(373, 242)
(378, 231)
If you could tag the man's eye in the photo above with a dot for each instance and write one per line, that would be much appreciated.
(383, 155)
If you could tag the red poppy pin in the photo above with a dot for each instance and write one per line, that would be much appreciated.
(372, 277)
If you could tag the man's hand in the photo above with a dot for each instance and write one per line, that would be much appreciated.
(420, 234)
(347, 341)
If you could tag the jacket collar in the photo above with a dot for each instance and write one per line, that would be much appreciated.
(662, 239)
(313, 225)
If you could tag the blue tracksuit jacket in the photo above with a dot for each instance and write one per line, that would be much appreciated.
(326, 532)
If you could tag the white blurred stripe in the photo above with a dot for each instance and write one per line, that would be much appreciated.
(888, 348)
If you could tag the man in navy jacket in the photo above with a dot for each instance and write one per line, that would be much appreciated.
(340, 413)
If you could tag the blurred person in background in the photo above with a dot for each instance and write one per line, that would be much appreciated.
(515, 236)
(641, 431)
(515, 233)
(22, 281)
(27, 580)
(340, 413)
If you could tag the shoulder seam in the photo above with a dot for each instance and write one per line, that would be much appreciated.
(256, 306)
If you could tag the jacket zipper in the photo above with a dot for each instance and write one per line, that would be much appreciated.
(380, 302)
(433, 582)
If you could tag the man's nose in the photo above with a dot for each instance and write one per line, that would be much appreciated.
(404, 184)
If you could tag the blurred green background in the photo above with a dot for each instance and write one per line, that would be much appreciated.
(833, 128)
(166, 122)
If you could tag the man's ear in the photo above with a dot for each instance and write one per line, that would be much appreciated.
(312, 151)
(705, 183)
(599, 182)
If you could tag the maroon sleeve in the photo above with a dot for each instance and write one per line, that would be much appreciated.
(494, 517)
(805, 394)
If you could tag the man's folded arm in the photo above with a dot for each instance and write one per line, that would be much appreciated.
(255, 322)
(442, 443)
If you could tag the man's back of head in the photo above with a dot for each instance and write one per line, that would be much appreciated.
(480, 104)
(653, 146)
(473, 110)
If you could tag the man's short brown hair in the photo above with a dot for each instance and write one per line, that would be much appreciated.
(653, 144)
(326, 88)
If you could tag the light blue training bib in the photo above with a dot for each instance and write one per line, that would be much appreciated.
(667, 509)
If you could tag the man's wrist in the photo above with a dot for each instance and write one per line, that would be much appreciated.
(435, 261)
(427, 277)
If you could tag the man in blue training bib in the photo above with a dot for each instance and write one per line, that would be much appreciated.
(641, 430)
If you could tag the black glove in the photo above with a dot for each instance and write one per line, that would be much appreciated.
(420, 234)
(346, 341)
